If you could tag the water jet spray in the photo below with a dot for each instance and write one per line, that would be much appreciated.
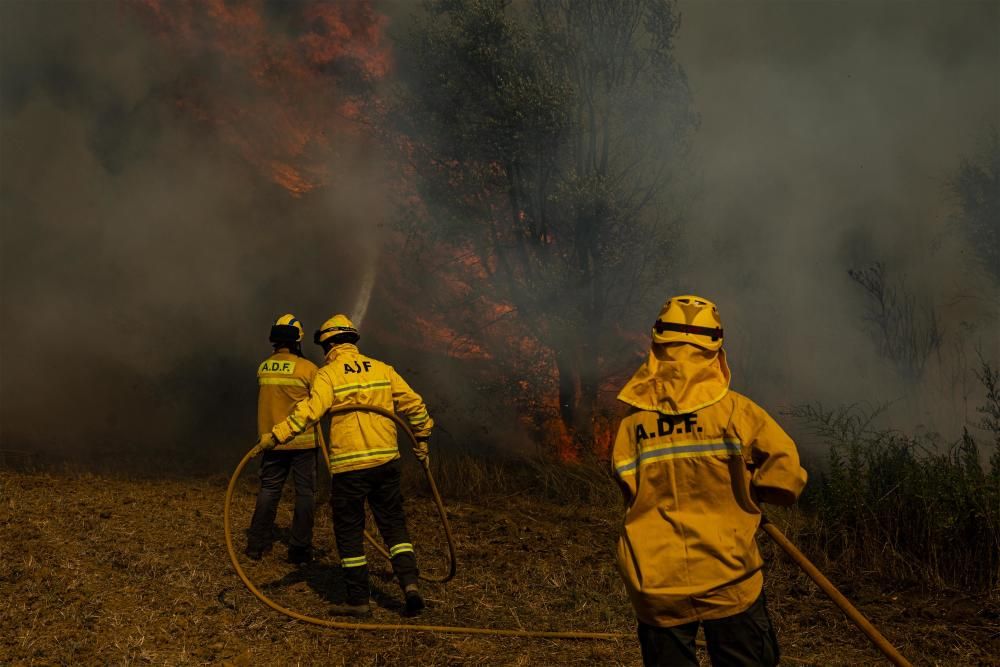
(365, 291)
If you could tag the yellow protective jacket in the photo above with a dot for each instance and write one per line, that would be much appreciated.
(284, 379)
(693, 459)
(358, 439)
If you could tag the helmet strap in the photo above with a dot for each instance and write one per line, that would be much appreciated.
(338, 332)
(661, 326)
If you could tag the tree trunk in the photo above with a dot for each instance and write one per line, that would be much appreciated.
(569, 388)
(587, 403)
(578, 383)
(587, 398)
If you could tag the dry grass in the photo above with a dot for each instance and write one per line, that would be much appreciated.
(101, 570)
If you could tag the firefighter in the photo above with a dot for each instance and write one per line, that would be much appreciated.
(284, 379)
(364, 457)
(694, 460)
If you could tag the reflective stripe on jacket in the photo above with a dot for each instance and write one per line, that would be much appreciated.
(284, 379)
(687, 550)
(358, 439)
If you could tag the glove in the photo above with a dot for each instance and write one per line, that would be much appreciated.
(282, 432)
(267, 442)
(421, 451)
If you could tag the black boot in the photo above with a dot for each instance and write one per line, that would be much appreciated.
(254, 552)
(414, 601)
(356, 587)
(300, 555)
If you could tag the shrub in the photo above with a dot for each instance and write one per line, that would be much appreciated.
(906, 506)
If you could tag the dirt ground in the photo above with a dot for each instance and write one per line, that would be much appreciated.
(99, 570)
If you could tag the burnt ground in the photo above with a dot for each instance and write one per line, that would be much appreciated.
(103, 570)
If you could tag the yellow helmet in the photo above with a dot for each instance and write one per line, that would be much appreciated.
(287, 329)
(338, 325)
(689, 319)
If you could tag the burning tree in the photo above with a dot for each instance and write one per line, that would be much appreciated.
(535, 140)
(541, 140)
(289, 85)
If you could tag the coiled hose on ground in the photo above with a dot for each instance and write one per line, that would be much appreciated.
(227, 522)
(855, 616)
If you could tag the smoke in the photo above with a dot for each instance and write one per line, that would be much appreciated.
(828, 133)
(146, 247)
(144, 258)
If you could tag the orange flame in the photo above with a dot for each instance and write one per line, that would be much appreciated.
(290, 100)
(285, 100)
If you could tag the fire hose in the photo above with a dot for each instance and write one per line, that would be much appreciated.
(425, 464)
(227, 522)
(852, 613)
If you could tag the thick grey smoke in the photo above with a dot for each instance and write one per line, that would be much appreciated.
(829, 132)
(143, 258)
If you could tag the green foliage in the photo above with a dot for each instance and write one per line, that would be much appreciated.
(542, 137)
(900, 506)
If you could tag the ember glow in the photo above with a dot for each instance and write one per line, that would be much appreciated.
(294, 96)
(203, 160)
(286, 100)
